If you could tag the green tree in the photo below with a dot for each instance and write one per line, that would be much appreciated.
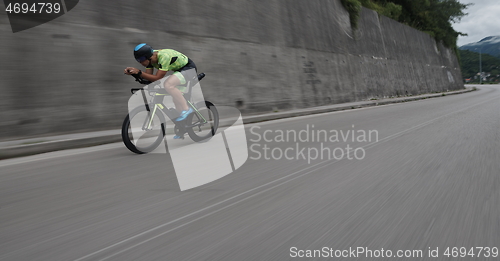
(434, 17)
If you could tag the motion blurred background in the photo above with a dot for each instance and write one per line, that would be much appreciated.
(66, 75)
(431, 180)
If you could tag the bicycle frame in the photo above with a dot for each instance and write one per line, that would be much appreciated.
(157, 103)
(152, 118)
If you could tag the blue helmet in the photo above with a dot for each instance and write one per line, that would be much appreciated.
(143, 52)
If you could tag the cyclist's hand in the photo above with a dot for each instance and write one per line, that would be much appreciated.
(131, 70)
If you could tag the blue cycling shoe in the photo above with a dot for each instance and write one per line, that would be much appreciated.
(177, 137)
(184, 115)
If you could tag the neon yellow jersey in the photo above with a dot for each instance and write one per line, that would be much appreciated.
(169, 60)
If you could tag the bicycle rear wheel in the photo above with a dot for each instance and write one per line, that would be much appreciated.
(203, 126)
(135, 135)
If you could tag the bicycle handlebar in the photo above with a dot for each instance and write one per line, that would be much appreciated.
(134, 90)
(140, 79)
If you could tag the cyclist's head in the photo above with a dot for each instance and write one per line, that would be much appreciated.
(143, 52)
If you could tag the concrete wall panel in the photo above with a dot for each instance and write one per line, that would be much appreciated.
(67, 75)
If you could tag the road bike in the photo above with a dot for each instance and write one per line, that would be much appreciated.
(145, 126)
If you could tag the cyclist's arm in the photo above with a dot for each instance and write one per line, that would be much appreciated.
(148, 75)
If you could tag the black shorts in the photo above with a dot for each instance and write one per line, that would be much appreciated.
(186, 72)
(189, 65)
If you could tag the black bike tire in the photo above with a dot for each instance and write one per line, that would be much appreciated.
(192, 133)
(126, 139)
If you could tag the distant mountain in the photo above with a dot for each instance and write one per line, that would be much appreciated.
(489, 45)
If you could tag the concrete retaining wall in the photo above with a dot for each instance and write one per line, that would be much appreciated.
(67, 75)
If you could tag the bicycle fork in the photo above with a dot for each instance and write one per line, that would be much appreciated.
(148, 122)
(146, 126)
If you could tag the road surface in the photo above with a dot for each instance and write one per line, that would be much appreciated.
(425, 176)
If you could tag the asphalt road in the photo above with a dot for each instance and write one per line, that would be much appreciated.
(425, 176)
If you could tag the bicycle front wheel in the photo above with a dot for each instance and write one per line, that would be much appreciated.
(202, 125)
(142, 133)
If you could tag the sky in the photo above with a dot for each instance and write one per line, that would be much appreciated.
(483, 21)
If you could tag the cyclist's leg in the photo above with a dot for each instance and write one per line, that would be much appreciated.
(170, 85)
(189, 71)
(186, 72)
(178, 78)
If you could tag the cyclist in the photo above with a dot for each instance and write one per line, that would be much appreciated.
(165, 60)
